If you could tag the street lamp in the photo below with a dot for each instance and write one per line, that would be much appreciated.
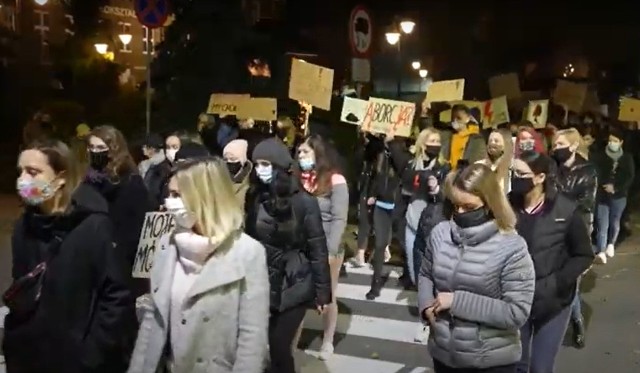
(423, 73)
(407, 26)
(416, 65)
(41, 2)
(125, 39)
(392, 37)
(101, 48)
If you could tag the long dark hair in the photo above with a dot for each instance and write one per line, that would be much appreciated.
(120, 160)
(327, 163)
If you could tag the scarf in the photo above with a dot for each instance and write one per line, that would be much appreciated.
(194, 250)
(309, 181)
(614, 155)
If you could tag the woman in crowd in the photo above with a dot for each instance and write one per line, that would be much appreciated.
(616, 171)
(381, 198)
(77, 320)
(157, 177)
(235, 154)
(577, 178)
(210, 285)
(114, 174)
(288, 222)
(477, 279)
(499, 156)
(321, 177)
(558, 240)
(528, 139)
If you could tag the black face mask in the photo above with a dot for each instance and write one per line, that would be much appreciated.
(234, 167)
(432, 151)
(521, 185)
(99, 160)
(562, 155)
(472, 218)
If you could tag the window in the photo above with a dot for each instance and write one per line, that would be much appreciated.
(147, 40)
(68, 29)
(41, 26)
(125, 28)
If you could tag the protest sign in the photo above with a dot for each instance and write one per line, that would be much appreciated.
(156, 224)
(224, 104)
(311, 83)
(445, 91)
(389, 117)
(629, 110)
(495, 112)
(353, 110)
(538, 112)
(570, 94)
(257, 108)
(505, 85)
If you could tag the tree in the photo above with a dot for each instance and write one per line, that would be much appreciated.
(200, 55)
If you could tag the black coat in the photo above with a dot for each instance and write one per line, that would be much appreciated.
(579, 182)
(296, 246)
(156, 180)
(81, 323)
(560, 246)
(619, 173)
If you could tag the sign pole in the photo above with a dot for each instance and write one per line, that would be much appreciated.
(148, 89)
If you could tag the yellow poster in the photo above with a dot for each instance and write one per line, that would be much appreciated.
(445, 91)
(629, 110)
(224, 104)
(257, 108)
(311, 83)
(495, 112)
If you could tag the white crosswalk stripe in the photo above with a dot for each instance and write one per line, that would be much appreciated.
(3, 312)
(371, 336)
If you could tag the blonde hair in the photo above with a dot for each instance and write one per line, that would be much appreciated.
(207, 191)
(481, 181)
(420, 146)
(574, 137)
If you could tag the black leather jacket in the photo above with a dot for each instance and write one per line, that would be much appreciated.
(579, 182)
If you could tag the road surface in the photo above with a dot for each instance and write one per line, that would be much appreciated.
(377, 336)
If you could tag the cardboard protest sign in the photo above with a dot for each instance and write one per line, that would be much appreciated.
(505, 85)
(353, 110)
(591, 102)
(224, 104)
(389, 116)
(445, 116)
(538, 112)
(156, 224)
(445, 91)
(257, 108)
(311, 83)
(495, 112)
(629, 110)
(570, 94)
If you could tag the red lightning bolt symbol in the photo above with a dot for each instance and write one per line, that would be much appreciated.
(488, 112)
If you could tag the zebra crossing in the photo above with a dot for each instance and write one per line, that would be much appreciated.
(371, 336)
(3, 312)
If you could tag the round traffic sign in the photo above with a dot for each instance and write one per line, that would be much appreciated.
(152, 13)
(360, 31)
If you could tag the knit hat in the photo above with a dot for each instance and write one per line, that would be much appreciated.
(274, 151)
(191, 150)
(236, 149)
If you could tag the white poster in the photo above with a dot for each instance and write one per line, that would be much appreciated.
(156, 224)
(353, 110)
(389, 117)
(537, 113)
(496, 112)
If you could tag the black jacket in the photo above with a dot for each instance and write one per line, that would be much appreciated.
(430, 217)
(292, 234)
(412, 180)
(386, 179)
(579, 182)
(81, 323)
(156, 180)
(620, 174)
(560, 246)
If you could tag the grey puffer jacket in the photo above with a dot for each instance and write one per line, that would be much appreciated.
(492, 279)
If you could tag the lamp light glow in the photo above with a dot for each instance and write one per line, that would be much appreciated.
(416, 65)
(41, 2)
(423, 73)
(392, 37)
(101, 48)
(407, 26)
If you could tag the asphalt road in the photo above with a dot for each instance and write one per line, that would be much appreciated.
(377, 337)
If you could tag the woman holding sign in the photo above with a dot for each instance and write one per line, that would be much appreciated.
(210, 286)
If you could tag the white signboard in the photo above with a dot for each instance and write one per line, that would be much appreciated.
(537, 113)
(360, 33)
(353, 110)
(360, 70)
(389, 117)
(496, 111)
(156, 225)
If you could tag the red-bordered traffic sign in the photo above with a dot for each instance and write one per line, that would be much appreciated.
(360, 31)
(152, 13)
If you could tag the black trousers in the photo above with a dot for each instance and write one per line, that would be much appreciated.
(283, 327)
(364, 222)
(441, 368)
(382, 220)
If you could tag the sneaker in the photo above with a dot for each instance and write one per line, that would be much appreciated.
(603, 257)
(326, 351)
(355, 263)
(422, 336)
(610, 250)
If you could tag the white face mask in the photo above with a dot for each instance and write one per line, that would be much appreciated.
(171, 154)
(176, 207)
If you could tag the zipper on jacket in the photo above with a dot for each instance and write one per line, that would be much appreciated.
(452, 319)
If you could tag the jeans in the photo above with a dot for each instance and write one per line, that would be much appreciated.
(412, 266)
(283, 327)
(540, 345)
(609, 216)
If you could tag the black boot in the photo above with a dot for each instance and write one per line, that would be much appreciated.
(343, 271)
(376, 286)
(579, 336)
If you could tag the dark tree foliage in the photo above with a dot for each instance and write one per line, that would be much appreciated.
(201, 54)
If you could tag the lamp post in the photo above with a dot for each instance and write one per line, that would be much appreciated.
(394, 37)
